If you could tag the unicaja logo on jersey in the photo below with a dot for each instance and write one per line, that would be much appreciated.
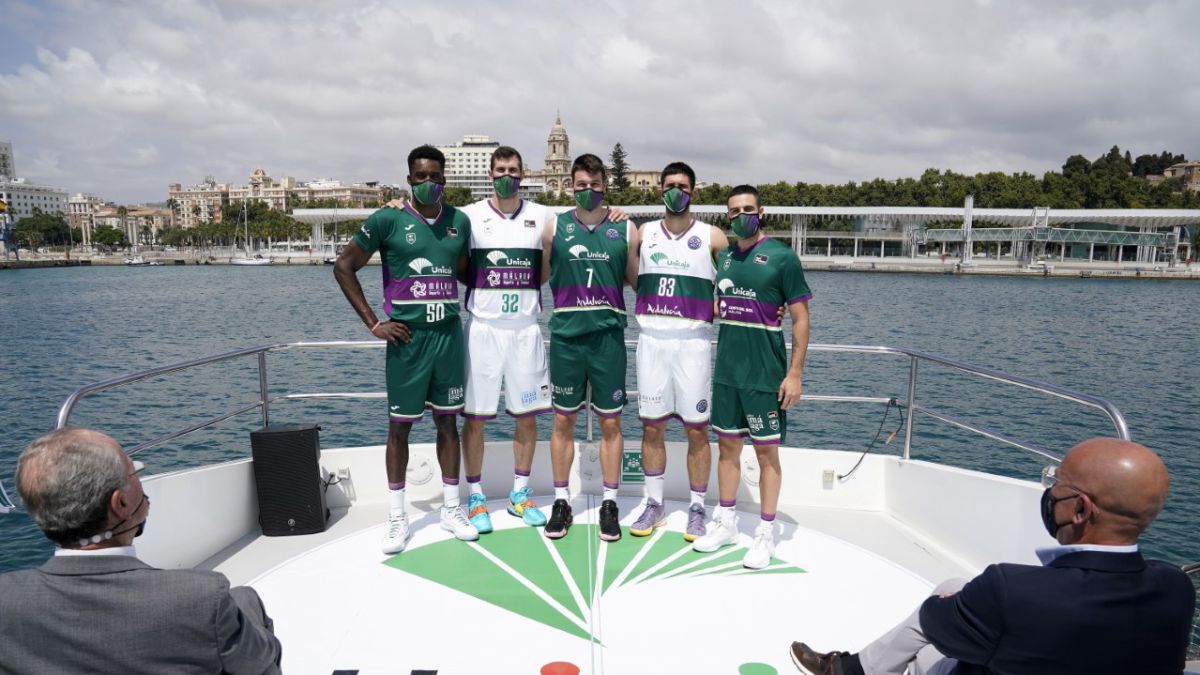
(581, 252)
(419, 265)
(661, 258)
(496, 256)
(726, 286)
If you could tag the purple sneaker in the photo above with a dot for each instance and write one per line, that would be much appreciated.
(652, 517)
(695, 526)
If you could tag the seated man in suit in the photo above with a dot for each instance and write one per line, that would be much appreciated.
(1095, 606)
(94, 607)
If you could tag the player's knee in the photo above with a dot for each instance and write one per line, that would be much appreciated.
(474, 426)
(564, 424)
(610, 427)
(399, 430)
(697, 439)
(654, 432)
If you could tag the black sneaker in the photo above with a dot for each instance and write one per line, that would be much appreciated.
(560, 519)
(610, 528)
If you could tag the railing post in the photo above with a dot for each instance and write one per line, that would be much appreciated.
(264, 398)
(587, 397)
(912, 403)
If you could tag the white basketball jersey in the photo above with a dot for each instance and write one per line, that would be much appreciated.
(505, 272)
(675, 281)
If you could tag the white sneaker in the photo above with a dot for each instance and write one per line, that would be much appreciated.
(454, 520)
(722, 531)
(759, 555)
(396, 535)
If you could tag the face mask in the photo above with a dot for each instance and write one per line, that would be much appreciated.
(745, 225)
(1048, 521)
(676, 200)
(506, 186)
(109, 534)
(428, 192)
(588, 200)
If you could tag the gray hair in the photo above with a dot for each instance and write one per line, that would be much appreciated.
(66, 479)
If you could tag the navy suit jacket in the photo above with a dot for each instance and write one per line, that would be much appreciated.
(1086, 612)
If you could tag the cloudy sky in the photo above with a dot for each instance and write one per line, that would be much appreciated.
(121, 98)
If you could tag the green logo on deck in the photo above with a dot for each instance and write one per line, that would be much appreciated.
(556, 582)
(631, 467)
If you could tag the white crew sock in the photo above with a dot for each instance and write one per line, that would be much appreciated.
(610, 492)
(396, 500)
(560, 492)
(450, 498)
(475, 488)
(654, 488)
(698, 498)
(725, 513)
(520, 481)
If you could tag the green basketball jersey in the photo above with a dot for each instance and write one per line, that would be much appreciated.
(419, 261)
(751, 287)
(587, 273)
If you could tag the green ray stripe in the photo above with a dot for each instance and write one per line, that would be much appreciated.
(659, 551)
(521, 548)
(578, 551)
(718, 557)
(619, 554)
(459, 567)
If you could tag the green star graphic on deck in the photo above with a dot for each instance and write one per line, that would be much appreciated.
(555, 582)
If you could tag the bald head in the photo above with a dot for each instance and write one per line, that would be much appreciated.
(65, 479)
(1127, 481)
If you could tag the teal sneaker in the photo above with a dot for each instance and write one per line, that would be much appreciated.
(478, 514)
(521, 506)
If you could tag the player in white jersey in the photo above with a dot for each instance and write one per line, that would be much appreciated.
(674, 353)
(504, 344)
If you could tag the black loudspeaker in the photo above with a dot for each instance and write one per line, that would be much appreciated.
(287, 475)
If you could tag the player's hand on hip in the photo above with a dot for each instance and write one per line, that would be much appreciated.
(394, 332)
(789, 391)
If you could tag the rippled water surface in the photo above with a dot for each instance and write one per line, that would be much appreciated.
(1132, 342)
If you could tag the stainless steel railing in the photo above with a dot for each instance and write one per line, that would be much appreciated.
(912, 405)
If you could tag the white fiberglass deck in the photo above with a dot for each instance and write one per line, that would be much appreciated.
(515, 601)
(853, 557)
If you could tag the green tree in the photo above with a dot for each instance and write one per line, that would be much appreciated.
(618, 169)
(107, 235)
(457, 196)
(42, 229)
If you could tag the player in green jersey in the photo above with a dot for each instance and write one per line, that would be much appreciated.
(753, 382)
(424, 249)
(589, 260)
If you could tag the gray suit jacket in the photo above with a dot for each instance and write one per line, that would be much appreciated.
(116, 614)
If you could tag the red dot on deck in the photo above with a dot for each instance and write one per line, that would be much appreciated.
(560, 668)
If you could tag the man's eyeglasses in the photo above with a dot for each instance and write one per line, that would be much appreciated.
(1050, 480)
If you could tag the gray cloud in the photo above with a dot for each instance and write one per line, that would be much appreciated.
(121, 99)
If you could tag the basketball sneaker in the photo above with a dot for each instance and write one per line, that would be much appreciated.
(722, 531)
(652, 517)
(477, 513)
(395, 536)
(759, 555)
(455, 521)
(521, 506)
(610, 526)
(695, 524)
(560, 519)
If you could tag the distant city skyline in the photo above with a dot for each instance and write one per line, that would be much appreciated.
(120, 99)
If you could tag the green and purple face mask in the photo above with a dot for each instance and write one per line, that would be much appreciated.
(745, 225)
(588, 200)
(428, 192)
(676, 200)
(506, 186)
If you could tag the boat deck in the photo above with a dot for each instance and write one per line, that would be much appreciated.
(515, 602)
